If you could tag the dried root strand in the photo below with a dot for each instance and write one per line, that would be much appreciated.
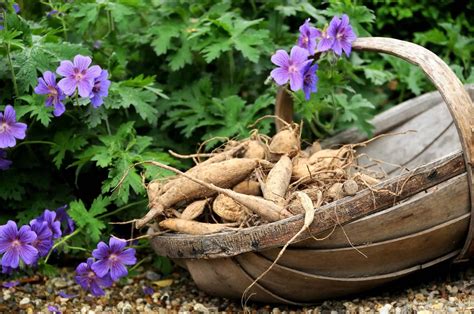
(228, 209)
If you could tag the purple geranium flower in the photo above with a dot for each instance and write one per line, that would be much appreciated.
(308, 35)
(290, 67)
(44, 237)
(310, 79)
(54, 309)
(66, 221)
(89, 280)
(10, 284)
(10, 130)
(7, 270)
(78, 75)
(17, 244)
(51, 13)
(54, 225)
(100, 89)
(4, 163)
(113, 258)
(343, 35)
(47, 86)
(65, 295)
(16, 7)
(148, 290)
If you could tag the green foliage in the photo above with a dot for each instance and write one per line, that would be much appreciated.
(87, 220)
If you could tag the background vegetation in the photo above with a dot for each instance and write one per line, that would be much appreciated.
(184, 72)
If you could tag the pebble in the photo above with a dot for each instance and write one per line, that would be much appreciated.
(25, 301)
(152, 276)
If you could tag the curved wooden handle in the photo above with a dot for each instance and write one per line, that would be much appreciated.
(455, 96)
(451, 89)
(449, 86)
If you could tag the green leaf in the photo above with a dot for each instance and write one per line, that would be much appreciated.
(182, 57)
(66, 141)
(165, 32)
(87, 219)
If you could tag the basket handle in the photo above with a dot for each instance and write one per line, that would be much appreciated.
(451, 89)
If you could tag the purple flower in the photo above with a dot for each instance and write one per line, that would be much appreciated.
(100, 89)
(54, 225)
(54, 309)
(78, 75)
(65, 295)
(65, 220)
(308, 35)
(89, 280)
(310, 79)
(290, 67)
(17, 245)
(343, 35)
(326, 41)
(4, 163)
(10, 130)
(16, 8)
(7, 270)
(10, 284)
(44, 237)
(148, 290)
(113, 258)
(51, 13)
(47, 86)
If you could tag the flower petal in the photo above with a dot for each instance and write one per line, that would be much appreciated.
(127, 257)
(66, 68)
(93, 72)
(296, 81)
(49, 78)
(9, 231)
(281, 58)
(41, 88)
(9, 114)
(116, 244)
(101, 268)
(7, 140)
(59, 109)
(298, 55)
(117, 271)
(82, 62)
(280, 76)
(102, 251)
(84, 87)
(67, 85)
(25, 234)
(28, 254)
(11, 258)
(96, 290)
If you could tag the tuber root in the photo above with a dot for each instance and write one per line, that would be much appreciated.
(192, 227)
(278, 180)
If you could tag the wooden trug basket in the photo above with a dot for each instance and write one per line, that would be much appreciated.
(430, 221)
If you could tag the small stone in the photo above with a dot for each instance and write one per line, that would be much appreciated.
(350, 187)
(151, 275)
(25, 300)
(59, 283)
(385, 309)
(198, 307)
(276, 311)
(420, 297)
(438, 306)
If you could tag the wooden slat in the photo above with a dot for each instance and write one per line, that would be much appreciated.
(403, 219)
(303, 287)
(380, 257)
(400, 149)
(225, 278)
(345, 210)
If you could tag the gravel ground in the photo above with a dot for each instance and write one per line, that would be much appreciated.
(446, 289)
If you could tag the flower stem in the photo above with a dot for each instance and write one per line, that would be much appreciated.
(10, 63)
(63, 240)
(35, 142)
(138, 264)
(118, 210)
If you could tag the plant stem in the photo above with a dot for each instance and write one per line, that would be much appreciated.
(10, 63)
(76, 248)
(36, 142)
(107, 125)
(118, 210)
(63, 240)
(230, 54)
(138, 264)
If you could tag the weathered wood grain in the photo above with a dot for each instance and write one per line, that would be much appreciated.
(380, 257)
(304, 287)
(401, 220)
(278, 233)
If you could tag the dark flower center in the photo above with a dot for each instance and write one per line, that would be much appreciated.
(96, 87)
(53, 92)
(78, 75)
